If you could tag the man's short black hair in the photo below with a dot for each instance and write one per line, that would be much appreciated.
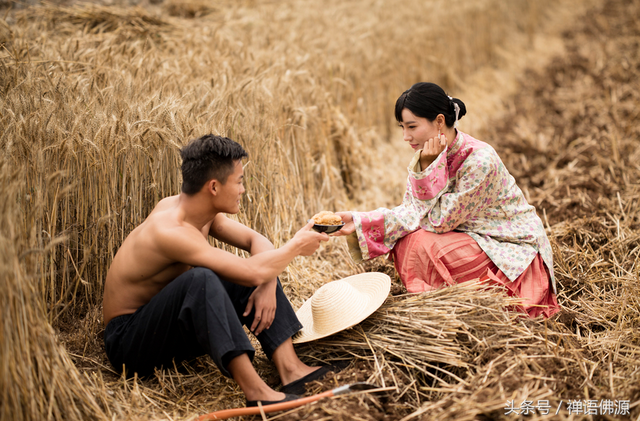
(208, 157)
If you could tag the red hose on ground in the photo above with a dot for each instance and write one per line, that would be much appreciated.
(255, 410)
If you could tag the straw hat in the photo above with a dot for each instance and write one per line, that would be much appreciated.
(338, 305)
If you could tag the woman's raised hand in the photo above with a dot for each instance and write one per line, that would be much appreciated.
(432, 148)
(349, 226)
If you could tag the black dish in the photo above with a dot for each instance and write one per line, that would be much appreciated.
(327, 228)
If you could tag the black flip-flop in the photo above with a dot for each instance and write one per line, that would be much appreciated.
(288, 397)
(298, 386)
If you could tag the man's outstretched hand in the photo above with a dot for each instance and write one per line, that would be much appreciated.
(307, 240)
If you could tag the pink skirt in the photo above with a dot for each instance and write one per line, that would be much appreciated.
(426, 261)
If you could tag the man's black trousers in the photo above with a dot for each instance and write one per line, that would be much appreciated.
(197, 313)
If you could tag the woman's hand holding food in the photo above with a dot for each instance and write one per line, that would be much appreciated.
(432, 148)
(349, 226)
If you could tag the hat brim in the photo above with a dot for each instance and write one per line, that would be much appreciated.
(374, 285)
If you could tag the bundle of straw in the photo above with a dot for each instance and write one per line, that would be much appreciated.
(97, 18)
(432, 336)
(37, 378)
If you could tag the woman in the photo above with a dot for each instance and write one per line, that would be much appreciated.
(463, 216)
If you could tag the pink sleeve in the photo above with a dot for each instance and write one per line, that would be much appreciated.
(371, 233)
(426, 187)
(378, 231)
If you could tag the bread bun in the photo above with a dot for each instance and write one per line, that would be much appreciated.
(327, 218)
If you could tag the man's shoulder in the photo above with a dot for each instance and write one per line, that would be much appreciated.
(162, 225)
(164, 204)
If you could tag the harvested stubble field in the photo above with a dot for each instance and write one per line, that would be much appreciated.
(96, 99)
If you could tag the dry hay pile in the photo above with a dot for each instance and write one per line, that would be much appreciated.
(428, 347)
(95, 108)
(95, 18)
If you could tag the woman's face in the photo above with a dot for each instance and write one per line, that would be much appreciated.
(417, 130)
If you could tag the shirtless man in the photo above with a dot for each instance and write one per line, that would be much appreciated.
(169, 295)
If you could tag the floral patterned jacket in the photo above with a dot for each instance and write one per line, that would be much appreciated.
(468, 189)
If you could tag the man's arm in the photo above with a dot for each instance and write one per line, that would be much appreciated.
(239, 235)
(187, 245)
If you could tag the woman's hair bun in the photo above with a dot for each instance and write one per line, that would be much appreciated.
(463, 108)
(427, 100)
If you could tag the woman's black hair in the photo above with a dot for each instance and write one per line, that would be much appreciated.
(427, 100)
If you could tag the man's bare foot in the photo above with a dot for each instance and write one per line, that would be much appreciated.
(297, 373)
(264, 395)
(254, 388)
(287, 398)
(298, 387)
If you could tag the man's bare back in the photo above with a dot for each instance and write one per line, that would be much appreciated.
(140, 269)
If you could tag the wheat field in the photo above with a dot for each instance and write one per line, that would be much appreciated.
(97, 98)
